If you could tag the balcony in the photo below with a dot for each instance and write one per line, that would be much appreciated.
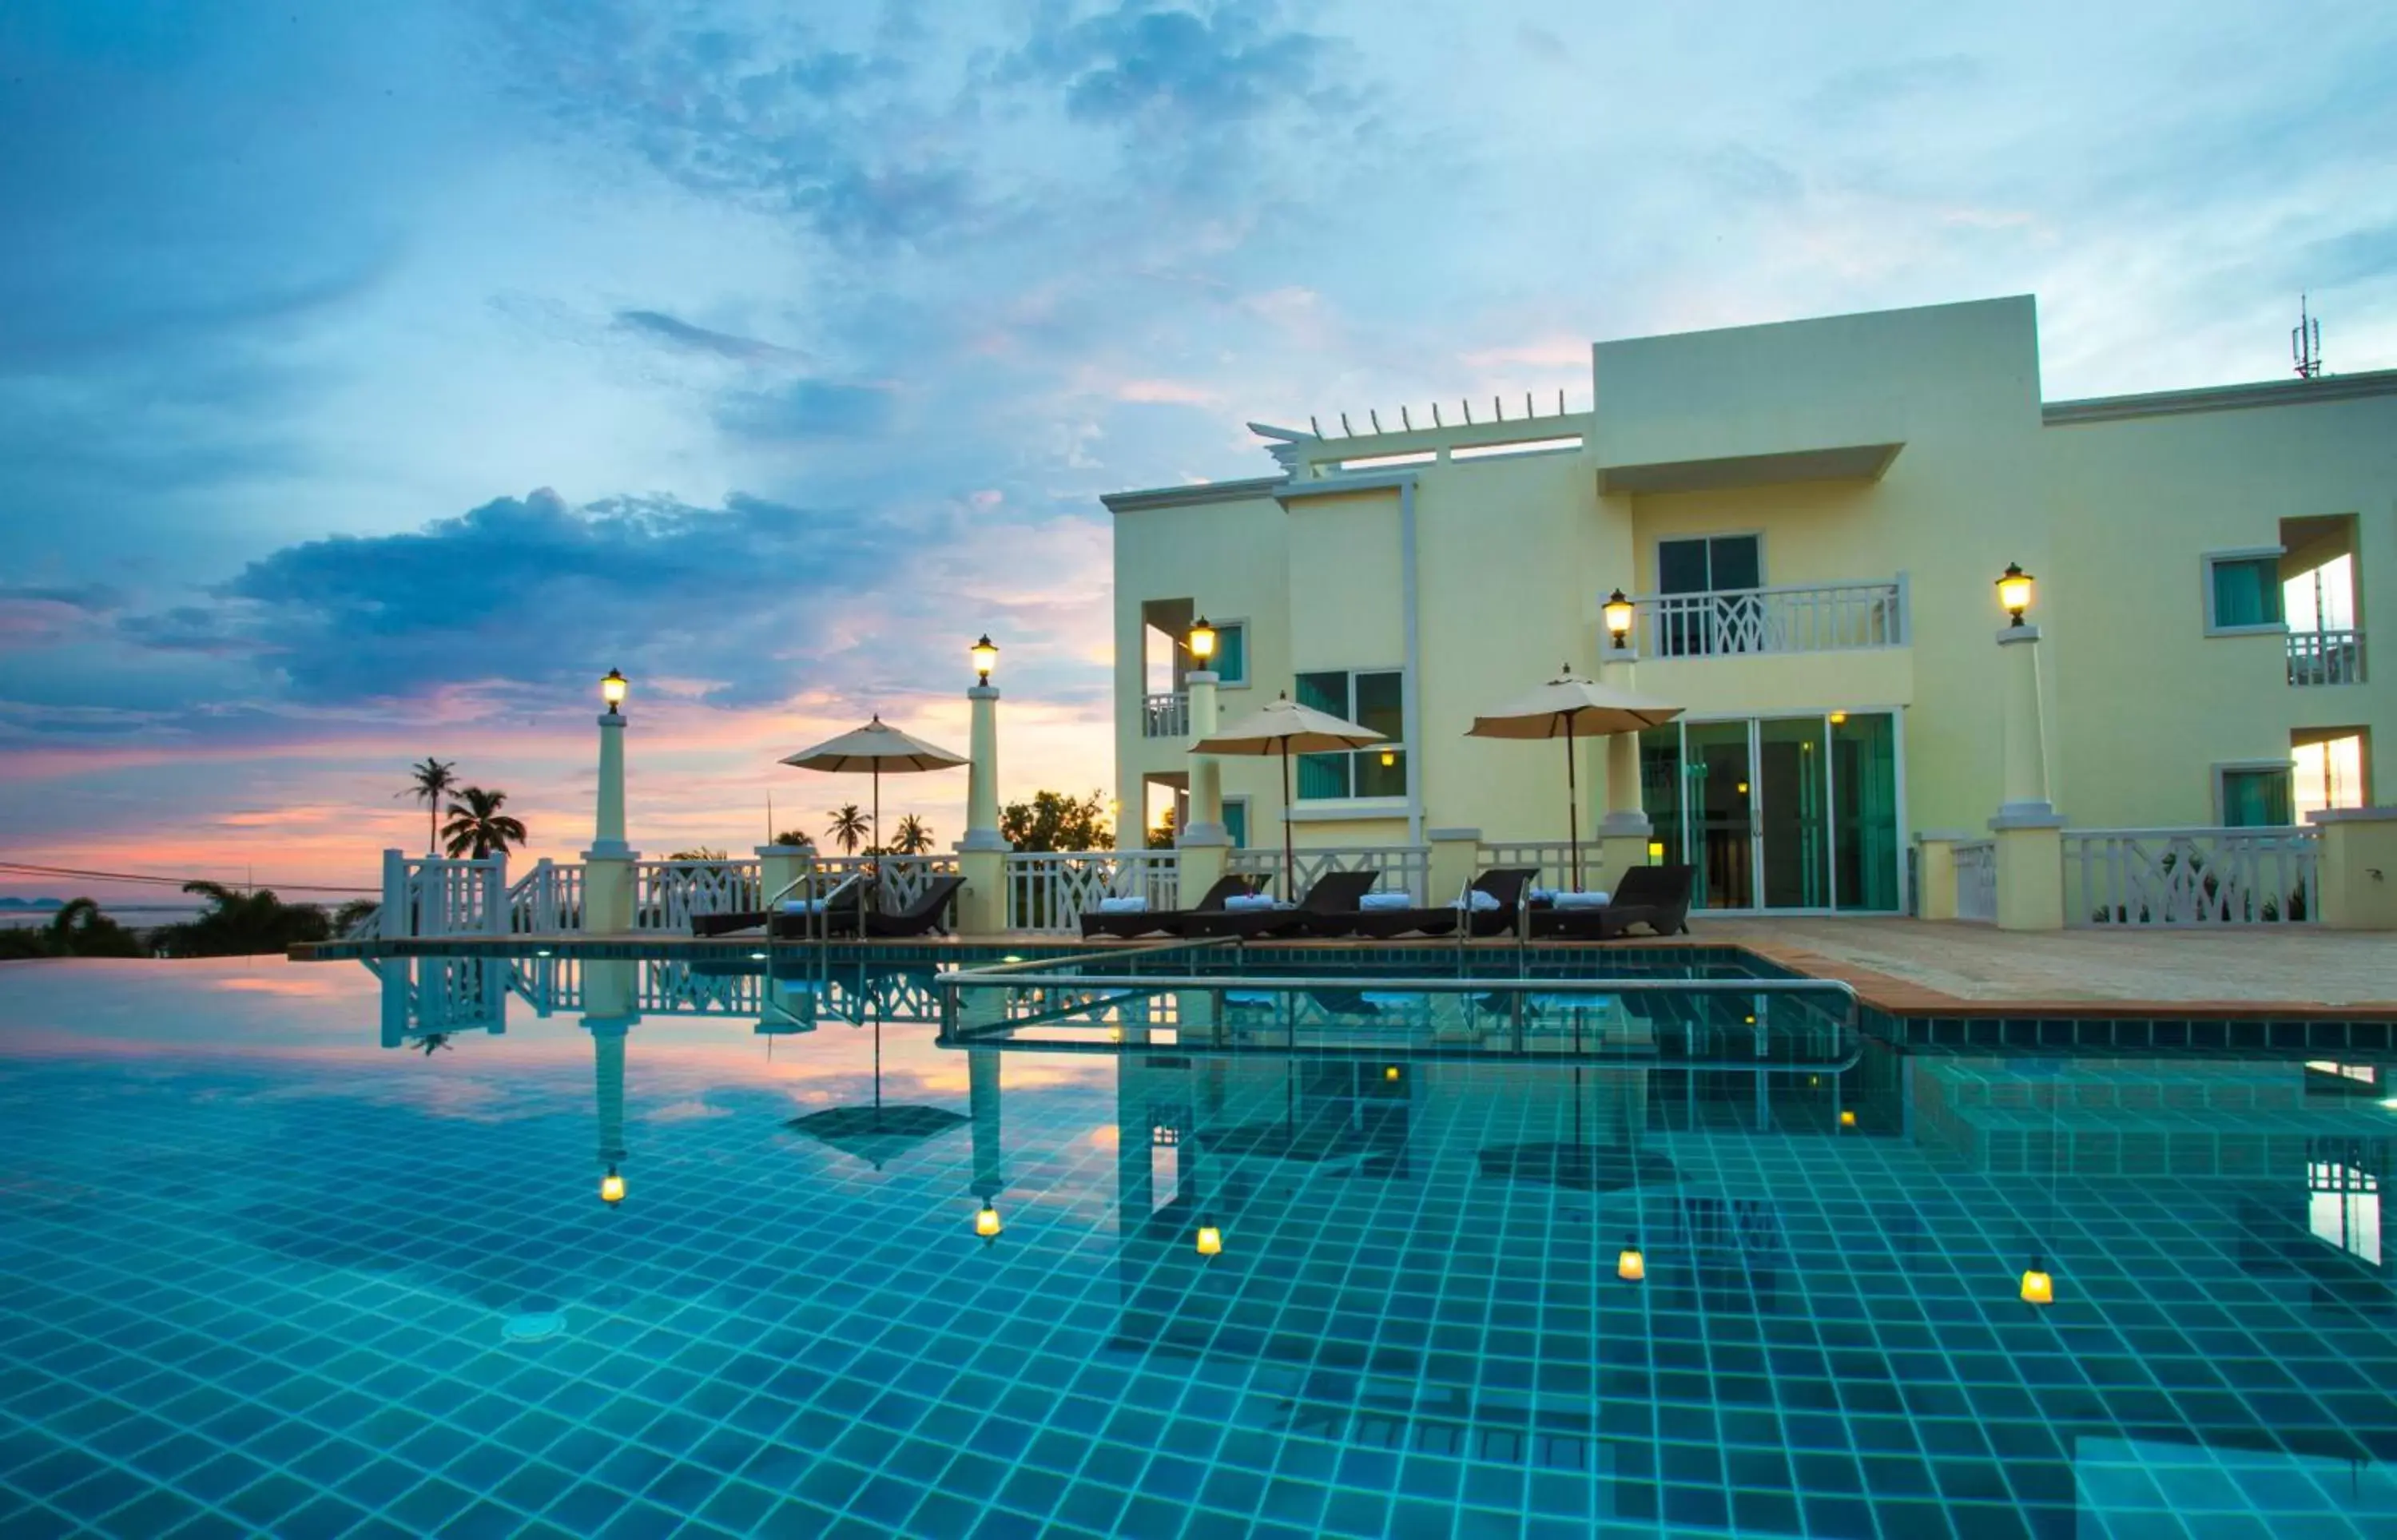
(1166, 715)
(2327, 658)
(1814, 617)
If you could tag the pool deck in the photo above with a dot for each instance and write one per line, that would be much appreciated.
(1922, 968)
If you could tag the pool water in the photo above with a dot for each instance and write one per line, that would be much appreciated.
(318, 1250)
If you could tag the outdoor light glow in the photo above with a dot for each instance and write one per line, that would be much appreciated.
(985, 654)
(1743, 789)
(1389, 756)
(1391, 1072)
(1619, 618)
(1211, 1240)
(2014, 591)
(1202, 642)
(1847, 1118)
(611, 1187)
(1839, 719)
(757, 957)
(2037, 1287)
(987, 1223)
(1632, 1267)
(611, 690)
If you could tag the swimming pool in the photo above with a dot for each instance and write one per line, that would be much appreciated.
(314, 1249)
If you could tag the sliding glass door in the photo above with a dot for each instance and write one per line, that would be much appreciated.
(1779, 813)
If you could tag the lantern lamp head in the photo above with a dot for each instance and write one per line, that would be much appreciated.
(1847, 1117)
(1211, 1240)
(611, 1189)
(1202, 643)
(987, 1223)
(2014, 591)
(1655, 850)
(985, 657)
(2038, 1288)
(613, 686)
(1619, 618)
(1630, 1266)
(1839, 719)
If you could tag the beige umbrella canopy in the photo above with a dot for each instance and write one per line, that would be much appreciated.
(1286, 728)
(873, 750)
(1567, 707)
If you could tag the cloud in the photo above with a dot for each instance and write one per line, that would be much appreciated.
(808, 409)
(1175, 69)
(682, 334)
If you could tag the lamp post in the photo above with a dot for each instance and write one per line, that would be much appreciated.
(1624, 833)
(1203, 846)
(608, 865)
(981, 854)
(2029, 834)
(985, 654)
(1618, 611)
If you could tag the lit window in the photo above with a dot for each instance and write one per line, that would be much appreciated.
(2329, 773)
(2242, 591)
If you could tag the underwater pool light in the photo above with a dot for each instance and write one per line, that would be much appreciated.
(611, 1187)
(1211, 1240)
(1630, 1266)
(2038, 1288)
(987, 1223)
(1847, 1117)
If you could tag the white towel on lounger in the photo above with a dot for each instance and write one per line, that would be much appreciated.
(1126, 904)
(1373, 901)
(1243, 902)
(1594, 899)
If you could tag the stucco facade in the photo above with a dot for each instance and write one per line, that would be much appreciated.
(1857, 484)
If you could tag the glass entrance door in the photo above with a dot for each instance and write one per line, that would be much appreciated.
(1719, 805)
(1779, 813)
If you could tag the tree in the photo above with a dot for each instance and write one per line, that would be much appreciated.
(351, 912)
(912, 837)
(429, 783)
(477, 825)
(795, 837)
(80, 930)
(698, 853)
(850, 827)
(1053, 820)
(1161, 837)
(237, 924)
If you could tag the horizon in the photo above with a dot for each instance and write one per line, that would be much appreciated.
(370, 384)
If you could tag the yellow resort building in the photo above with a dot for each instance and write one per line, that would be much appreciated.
(1807, 521)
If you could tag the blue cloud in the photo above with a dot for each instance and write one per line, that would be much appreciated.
(808, 409)
(682, 334)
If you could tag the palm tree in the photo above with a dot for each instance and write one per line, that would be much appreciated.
(237, 924)
(795, 837)
(80, 930)
(912, 837)
(430, 782)
(477, 825)
(849, 828)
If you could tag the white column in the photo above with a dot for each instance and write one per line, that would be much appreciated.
(1624, 833)
(2020, 736)
(981, 854)
(1206, 771)
(608, 865)
(2029, 833)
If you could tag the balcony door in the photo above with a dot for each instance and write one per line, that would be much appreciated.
(1796, 812)
(1707, 564)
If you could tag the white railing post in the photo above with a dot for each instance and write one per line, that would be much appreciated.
(495, 895)
(395, 918)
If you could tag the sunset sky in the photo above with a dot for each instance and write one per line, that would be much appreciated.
(373, 377)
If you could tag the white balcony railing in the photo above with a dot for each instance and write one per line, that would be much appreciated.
(1977, 879)
(2327, 658)
(435, 895)
(666, 894)
(2190, 876)
(1797, 618)
(1404, 868)
(1165, 716)
(1049, 890)
(1553, 859)
(548, 900)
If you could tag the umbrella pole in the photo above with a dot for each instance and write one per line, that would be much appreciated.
(1289, 849)
(1573, 805)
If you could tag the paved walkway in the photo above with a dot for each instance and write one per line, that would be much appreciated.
(2299, 965)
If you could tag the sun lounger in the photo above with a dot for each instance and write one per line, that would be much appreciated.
(842, 913)
(1657, 896)
(1334, 893)
(1503, 886)
(1128, 924)
(927, 913)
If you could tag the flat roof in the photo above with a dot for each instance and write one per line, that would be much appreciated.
(2221, 398)
(1191, 493)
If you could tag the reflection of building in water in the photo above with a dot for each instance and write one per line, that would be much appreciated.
(609, 991)
(989, 1174)
(1427, 1250)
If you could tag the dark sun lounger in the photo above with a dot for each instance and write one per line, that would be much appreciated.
(1657, 896)
(1163, 922)
(1503, 884)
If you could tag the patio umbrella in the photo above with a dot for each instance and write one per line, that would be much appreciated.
(1286, 728)
(872, 749)
(1565, 705)
(877, 1134)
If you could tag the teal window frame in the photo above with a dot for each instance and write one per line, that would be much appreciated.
(2243, 789)
(1355, 774)
(1235, 821)
(2242, 592)
(1231, 653)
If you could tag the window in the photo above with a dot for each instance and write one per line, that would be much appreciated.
(1709, 565)
(1373, 698)
(2330, 770)
(1232, 652)
(1705, 627)
(2242, 591)
(2253, 796)
(1235, 821)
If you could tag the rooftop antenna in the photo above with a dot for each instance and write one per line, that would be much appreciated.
(2305, 342)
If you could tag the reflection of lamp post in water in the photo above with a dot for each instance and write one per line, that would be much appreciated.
(982, 1082)
(609, 1015)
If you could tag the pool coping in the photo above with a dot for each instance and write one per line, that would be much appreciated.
(1892, 996)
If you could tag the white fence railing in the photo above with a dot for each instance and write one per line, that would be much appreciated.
(435, 895)
(898, 881)
(1048, 891)
(2190, 876)
(1403, 868)
(1977, 879)
(1794, 618)
(2327, 658)
(666, 894)
(1165, 716)
(1554, 858)
(548, 900)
